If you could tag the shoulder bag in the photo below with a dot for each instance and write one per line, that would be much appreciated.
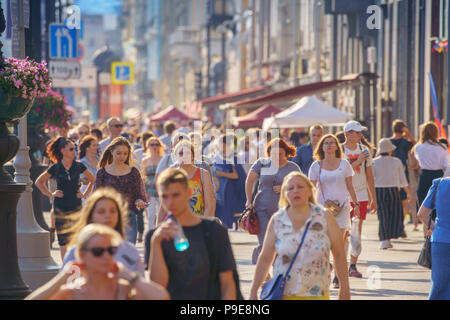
(274, 288)
(332, 205)
(248, 221)
(425, 254)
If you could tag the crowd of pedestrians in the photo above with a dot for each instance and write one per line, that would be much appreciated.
(179, 191)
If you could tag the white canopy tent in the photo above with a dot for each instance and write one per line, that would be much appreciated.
(307, 112)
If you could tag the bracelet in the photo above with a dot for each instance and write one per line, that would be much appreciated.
(356, 204)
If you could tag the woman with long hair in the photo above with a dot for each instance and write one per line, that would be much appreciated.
(67, 196)
(117, 171)
(270, 172)
(88, 155)
(106, 206)
(309, 278)
(98, 275)
(153, 155)
(202, 200)
(332, 176)
(433, 158)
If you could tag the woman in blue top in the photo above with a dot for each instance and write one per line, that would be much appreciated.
(440, 237)
(229, 178)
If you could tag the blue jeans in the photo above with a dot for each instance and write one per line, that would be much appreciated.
(440, 271)
(140, 221)
(131, 229)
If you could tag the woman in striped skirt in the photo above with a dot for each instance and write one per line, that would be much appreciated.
(389, 178)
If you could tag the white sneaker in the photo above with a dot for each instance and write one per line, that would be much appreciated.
(384, 244)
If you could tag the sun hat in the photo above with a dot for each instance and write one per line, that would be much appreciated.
(385, 145)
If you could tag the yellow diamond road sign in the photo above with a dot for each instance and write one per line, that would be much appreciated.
(122, 73)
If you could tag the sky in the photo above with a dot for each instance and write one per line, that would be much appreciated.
(107, 7)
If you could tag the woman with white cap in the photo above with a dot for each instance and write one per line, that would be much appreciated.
(389, 178)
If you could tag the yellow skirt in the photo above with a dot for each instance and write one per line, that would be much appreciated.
(326, 296)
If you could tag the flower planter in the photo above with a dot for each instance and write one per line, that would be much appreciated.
(13, 108)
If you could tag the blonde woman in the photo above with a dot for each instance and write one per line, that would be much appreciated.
(154, 154)
(107, 207)
(117, 171)
(102, 277)
(332, 175)
(203, 201)
(309, 278)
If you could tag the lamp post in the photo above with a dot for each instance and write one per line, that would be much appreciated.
(218, 12)
(12, 285)
(35, 261)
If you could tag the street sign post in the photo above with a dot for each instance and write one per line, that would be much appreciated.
(63, 42)
(88, 79)
(64, 70)
(122, 73)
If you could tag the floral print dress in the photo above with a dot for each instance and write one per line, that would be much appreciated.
(310, 274)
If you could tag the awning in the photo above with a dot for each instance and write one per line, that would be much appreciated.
(297, 92)
(232, 97)
(256, 117)
(307, 112)
(171, 113)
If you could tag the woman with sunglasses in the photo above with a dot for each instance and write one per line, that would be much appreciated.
(96, 274)
(67, 196)
(117, 171)
(154, 154)
(88, 155)
(202, 201)
(107, 207)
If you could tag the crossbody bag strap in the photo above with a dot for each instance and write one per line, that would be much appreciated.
(320, 182)
(433, 201)
(298, 250)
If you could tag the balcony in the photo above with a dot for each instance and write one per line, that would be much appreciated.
(184, 44)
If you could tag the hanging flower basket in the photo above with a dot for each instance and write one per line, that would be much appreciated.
(49, 111)
(21, 81)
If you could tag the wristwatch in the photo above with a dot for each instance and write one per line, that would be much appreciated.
(356, 204)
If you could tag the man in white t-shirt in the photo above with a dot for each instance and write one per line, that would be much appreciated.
(361, 160)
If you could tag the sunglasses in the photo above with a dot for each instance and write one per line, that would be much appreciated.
(118, 125)
(98, 252)
(83, 132)
(155, 145)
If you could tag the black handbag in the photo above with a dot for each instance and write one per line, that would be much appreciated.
(425, 254)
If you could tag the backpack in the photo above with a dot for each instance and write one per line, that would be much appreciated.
(214, 282)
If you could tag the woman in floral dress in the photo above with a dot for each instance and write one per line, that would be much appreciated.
(309, 278)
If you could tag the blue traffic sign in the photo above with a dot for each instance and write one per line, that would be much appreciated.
(122, 73)
(63, 42)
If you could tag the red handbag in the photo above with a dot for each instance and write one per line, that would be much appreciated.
(248, 221)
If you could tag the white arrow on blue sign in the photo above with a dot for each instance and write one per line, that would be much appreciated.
(63, 42)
